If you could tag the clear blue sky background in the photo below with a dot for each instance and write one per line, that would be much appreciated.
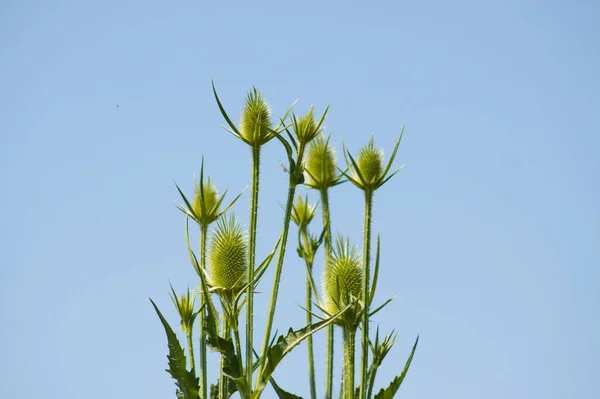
(490, 234)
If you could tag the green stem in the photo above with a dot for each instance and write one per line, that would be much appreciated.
(191, 350)
(223, 380)
(202, 350)
(311, 356)
(330, 343)
(280, 257)
(251, 258)
(371, 383)
(365, 294)
(277, 278)
(349, 349)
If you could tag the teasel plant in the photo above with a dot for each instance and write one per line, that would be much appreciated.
(204, 209)
(322, 174)
(229, 275)
(308, 244)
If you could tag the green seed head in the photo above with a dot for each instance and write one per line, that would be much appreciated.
(207, 209)
(228, 254)
(303, 212)
(343, 277)
(370, 164)
(306, 127)
(255, 126)
(320, 164)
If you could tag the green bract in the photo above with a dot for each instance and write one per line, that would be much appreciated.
(228, 254)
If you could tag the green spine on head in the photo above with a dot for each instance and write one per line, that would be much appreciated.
(228, 255)
(370, 163)
(320, 164)
(342, 281)
(255, 126)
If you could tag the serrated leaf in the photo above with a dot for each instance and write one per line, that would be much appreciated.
(186, 380)
(285, 344)
(281, 393)
(390, 391)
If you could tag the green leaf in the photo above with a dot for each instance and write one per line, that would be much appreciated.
(285, 344)
(186, 381)
(281, 393)
(390, 391)
(214, 389)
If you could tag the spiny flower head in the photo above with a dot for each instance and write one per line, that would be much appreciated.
(370, 163)
(228, 254)
(367, 171)
(320, 165)
(206, 201)
(185, 307)
(306, 128)
(342, 278)
(303, 212)
(255, 125)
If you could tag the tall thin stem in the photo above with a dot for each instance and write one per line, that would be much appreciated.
(365, 293)
(223, 379)
(349, 350)
(281, 255)
(202, 349)
(311, 356)
(251, 258)
(277, 278)
(329, 347)
(191, 350)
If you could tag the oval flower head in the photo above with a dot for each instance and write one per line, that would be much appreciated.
(228, 255)
(206, 203)
(342, 282)
(255, 125)
(320, 165)
(303, 212)
(367, 171)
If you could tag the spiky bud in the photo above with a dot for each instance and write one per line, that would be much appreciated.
(228, 254)
(370, 163)
(320, 165)
(303, 212)
(255, 125)
(367, 172)
(306, 128)
(343, 276)
(185, 307)
(206, 201)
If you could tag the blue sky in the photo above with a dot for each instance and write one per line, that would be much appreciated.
(490, 234)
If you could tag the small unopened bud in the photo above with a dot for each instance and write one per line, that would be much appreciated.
(303, 212)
